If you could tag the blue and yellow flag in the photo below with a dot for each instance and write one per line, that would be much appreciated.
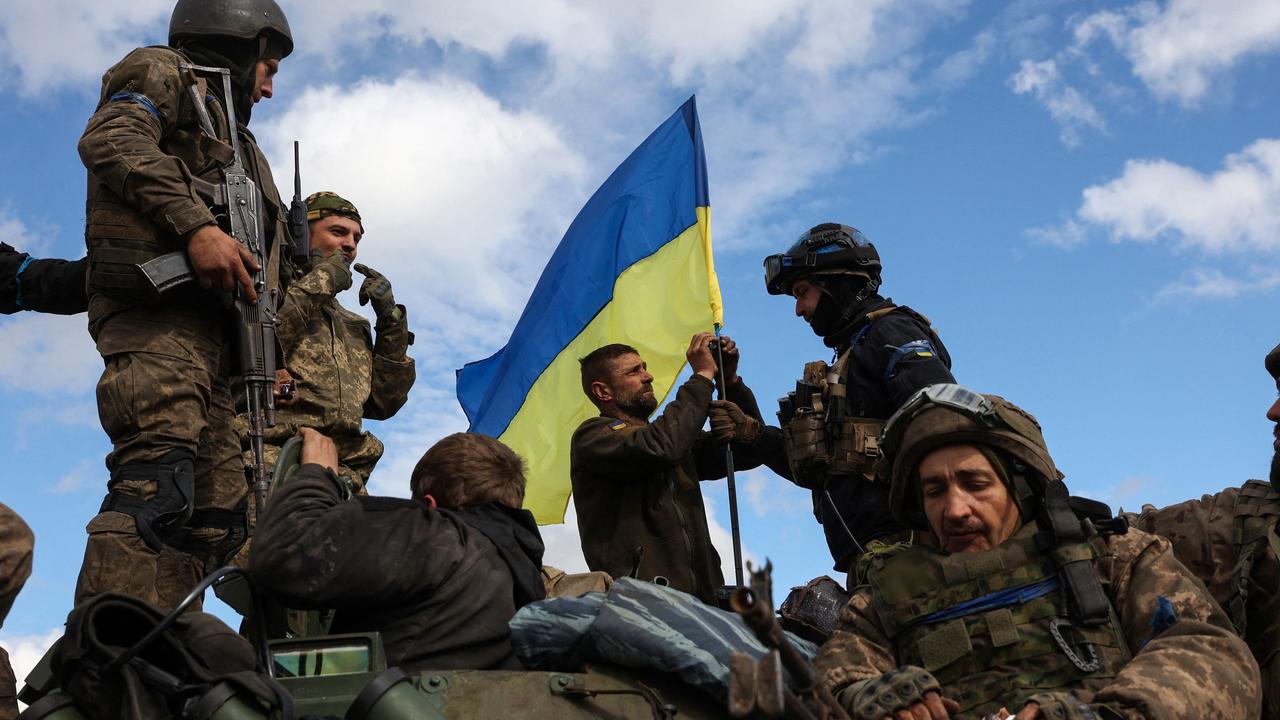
(634, 267)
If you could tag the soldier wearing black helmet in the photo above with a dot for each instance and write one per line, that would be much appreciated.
(883, 353)
(156, 149)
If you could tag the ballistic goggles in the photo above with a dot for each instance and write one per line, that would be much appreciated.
(948, 395)
(812, 252)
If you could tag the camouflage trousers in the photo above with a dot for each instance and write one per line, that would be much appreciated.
(166, 387)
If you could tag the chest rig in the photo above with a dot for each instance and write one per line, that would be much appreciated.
(821, 436)
(995, 627)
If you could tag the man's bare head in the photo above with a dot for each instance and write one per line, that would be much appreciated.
(468, 469)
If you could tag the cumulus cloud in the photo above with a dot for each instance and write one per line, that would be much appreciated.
(47, 354)
(1213, 284)
(1066, 105)
(1179, 48)
(26, 650)
(1234, 209)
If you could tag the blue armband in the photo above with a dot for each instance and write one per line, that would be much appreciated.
(17, 282)
(141, 99)
(915, 348)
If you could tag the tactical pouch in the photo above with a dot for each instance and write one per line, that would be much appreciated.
(857, 448)
(804, 438)
(169, 509)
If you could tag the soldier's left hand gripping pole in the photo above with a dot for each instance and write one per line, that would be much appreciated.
(728, 464)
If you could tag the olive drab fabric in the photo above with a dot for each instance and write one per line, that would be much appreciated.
(165, 391)
(47, 286)
(1165, 632)
(16, 546)
(637, 486)
(892, 352)
(1229, 541)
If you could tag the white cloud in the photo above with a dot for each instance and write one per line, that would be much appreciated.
(1179, 49)
(26, 650)
(53, 43)
(1068, 235)
(1066, 105)
(48, 354)
(1234, 209)
(75, 479)
(1213, 284)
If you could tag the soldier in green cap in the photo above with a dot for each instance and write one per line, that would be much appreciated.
(1229, 541)
(158, 150)
(1017, 599)
(342, 373)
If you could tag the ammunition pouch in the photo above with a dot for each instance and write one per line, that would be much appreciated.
(856, 448)
(805, 441)
(173, 504)
(811, 453)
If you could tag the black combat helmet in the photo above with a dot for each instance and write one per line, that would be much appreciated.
(826, 249)
(242, 19)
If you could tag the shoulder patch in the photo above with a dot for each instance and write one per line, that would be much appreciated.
(617, 424)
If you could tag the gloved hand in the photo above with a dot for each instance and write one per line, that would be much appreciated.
(376, 289)
(335, 266)
(907, 688)
(728, 422)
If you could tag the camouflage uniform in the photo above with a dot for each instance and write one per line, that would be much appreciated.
(995, 627)
(16, 543)
(48, 286)
(164, 397)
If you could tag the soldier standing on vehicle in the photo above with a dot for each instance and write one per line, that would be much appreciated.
(439, 575)
(883, 353)
(16, 544)
(1229, 541)
(46, 286)
(156, 149)
(636, 481)
(1017, 598)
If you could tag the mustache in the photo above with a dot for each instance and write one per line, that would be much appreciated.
(961, 527)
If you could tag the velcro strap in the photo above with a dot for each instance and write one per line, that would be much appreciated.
(945, 645)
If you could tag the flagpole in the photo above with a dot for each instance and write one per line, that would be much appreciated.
(728, 464)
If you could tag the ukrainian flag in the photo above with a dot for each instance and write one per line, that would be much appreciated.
(634, 267)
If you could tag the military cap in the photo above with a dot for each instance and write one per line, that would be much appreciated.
(1273, 362)
(324, 203)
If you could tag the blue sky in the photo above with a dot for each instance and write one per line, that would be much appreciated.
(1084, 197)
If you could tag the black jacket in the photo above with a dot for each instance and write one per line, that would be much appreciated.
(441, 586)
(47, 286)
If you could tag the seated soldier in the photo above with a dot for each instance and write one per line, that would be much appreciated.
(439, 575)
(1229, 541)
(1011, 602)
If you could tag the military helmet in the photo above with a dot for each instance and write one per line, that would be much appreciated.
(244, 19)
(948, 414)
(826, 249)
(1273, 362)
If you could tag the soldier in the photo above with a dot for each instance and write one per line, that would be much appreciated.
(440, 576)
(47, 286)
(342, 373)
(16, 544)
(635, 482)
(156, 149)
(1229, 541)
(1011, 601)
(883, 353)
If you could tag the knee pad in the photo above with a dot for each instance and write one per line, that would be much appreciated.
(170, 508)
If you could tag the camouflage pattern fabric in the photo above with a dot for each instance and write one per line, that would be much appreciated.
(1209, 537)
(16, 544)
(165, 386)
(1212, 669)
(639, 625)
(324, 204)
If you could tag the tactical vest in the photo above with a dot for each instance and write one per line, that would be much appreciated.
(1256, 515)
(992, 626)
(119, 237)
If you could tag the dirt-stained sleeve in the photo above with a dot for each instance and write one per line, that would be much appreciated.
(141, 102)
(16, 546)
(858, 649)
(314, 550)
(663, 443)
(1210, 667)
(393, 370)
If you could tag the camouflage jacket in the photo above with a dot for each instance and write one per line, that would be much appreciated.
(16, 543)
(638, 486)
(148, 158)
(47, 286)
(1229, 541)
(1193, 651)
(343, 375)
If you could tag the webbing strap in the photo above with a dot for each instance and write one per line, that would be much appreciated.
(1088, 604)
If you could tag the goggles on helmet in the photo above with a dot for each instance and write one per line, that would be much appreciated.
(826, 246)
(948, 395)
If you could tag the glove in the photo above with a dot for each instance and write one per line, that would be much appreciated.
(895, 690)
(376, 289)
(335, 266)
(728, 422)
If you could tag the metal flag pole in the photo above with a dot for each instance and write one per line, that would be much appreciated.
(728, 464)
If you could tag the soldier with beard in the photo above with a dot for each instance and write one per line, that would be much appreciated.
(635, 481)
(883, 353)
(1229, 540)
(156, 150)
